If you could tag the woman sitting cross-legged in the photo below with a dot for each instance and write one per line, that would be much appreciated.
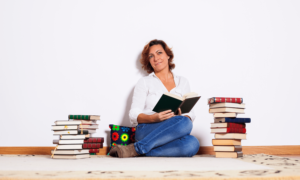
(161, 134)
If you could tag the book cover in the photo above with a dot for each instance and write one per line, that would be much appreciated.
(231, 125)
(226, 142)
(230, 136)
(228, 130)
(94, 140)
(227, 105)
(225, 99)
(171, 102)
(227, 110)
(232, 120)
(216, 115)
(84, 117)
(92, 145)
(229, 154)
(228, 148)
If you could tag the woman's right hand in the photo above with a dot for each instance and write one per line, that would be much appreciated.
(164, 115)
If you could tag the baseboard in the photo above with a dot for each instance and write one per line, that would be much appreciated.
(287, 150)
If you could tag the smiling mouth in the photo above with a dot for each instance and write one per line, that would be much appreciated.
(157, 64)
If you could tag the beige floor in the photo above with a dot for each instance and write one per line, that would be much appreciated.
(202, 167)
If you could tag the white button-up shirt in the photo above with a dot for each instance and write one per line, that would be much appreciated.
(148, 91)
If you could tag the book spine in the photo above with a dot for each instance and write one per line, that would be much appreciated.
(236, 130)
(93, 150)
(92, 145)
(81, 117)
(236, 125)
(83, 131)
(94, 140)
(225, 99)
(237, 120)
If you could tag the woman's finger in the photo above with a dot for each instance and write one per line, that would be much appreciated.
(179, 111)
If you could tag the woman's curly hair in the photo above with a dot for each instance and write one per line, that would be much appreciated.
(145, 55)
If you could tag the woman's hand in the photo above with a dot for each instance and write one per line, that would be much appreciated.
(164, 115)
(179, 114)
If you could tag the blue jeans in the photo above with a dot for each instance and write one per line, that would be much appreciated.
(169, 138)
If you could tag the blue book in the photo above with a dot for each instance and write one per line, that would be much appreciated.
(232, 120)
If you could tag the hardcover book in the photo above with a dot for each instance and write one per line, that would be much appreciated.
(230, 136)
(81, 146)
(172, 102)
(227, 110)
(94, 140)
(66, 122)
(65, 127)
(85, 117)
(225, 99)
(79, 136)
(228, 130)
(229, 154)
(216, 115)
(231, 125)
(70, 141)
(65, 156)
(232, 120)
(226, 142)
(83, 151)
(75, 132)
(228, 148)
(227, 105)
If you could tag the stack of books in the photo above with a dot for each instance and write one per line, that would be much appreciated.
(229, 130)
(75, 141)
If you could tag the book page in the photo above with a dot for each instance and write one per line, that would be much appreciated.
(174, 96)
(190, 95)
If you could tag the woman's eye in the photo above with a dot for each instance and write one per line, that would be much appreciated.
(159, 52)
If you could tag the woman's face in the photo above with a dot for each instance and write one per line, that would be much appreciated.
(158, 58)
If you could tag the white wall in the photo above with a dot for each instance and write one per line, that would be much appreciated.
(81, 57)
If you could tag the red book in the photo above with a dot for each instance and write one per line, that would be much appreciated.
(92, 145)
(236, 125)
(228, 130)
(94, 140)
(94, 151)
(225, 99)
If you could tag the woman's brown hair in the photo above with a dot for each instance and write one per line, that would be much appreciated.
(145, 55)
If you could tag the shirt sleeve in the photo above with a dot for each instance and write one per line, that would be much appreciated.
(186, 89)
(138, 101)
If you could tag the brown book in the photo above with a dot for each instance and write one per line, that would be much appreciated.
(229, 154)
(227, 110)
(228, 142)
(228, 148)
(216, 115)
(231, 136)
(227, 105)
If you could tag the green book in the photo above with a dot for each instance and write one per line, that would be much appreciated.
(172, 102)
(84, 117)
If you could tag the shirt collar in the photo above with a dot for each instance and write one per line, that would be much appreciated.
(176, 78)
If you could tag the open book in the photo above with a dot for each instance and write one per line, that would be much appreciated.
(172, 102)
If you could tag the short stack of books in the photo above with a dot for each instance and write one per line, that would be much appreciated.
(229, 130)
(75, 141)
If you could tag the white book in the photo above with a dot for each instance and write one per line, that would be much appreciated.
(70, 141)
(83, 151)
(78, 156)
(78, 136)
(64, 127)
(73, 146)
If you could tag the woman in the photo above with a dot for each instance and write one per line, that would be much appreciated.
(159, 134)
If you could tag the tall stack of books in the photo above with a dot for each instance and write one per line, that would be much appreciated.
(229, 130)
(75, 141)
